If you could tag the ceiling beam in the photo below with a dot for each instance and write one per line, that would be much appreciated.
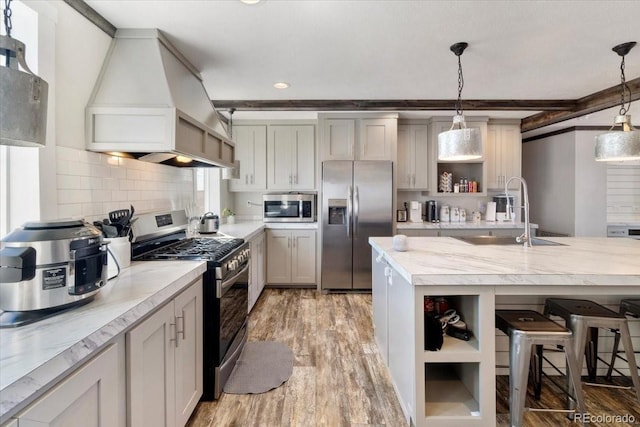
(94, 17)
(598, 101)
(393, 105)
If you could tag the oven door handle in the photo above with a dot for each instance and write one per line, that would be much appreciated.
(223, 286)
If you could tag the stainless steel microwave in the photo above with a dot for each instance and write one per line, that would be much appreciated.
(289, 207)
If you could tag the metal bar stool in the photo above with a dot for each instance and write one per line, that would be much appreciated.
(525, 329)
(627, 307)
(584, 317)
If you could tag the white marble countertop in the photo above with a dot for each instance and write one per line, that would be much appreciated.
(247, 230)
(583, 261)
(460, 225)
(34, 356)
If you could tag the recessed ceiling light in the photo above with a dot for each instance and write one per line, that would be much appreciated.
(250, 1)
(281, 85)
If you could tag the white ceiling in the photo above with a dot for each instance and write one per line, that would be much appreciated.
(395, 49)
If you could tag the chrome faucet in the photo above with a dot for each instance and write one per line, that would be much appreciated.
(526, 236)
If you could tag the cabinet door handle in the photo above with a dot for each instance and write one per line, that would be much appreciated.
(414, 179)
(252, 179)
(294, 242)
(181, 330)
(175, 332)
(289, 179)
(246, 177)
(295, 179)
(288, 242)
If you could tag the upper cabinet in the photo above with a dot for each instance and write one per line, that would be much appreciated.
(503, 154)
(291, 157)
(338, 139)
(251, 151)
(413, 155)
(358, 138)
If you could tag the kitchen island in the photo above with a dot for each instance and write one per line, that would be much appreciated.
(456, 385)
(35, 357)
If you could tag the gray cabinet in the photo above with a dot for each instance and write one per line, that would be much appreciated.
(92, 396)
(291, 157)
(349, 138)
(257, 276)
(503, 155)
(164, 362)
(413, 157)
(251, 151)
(291, 256)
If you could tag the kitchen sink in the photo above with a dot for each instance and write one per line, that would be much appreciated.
(503, 240)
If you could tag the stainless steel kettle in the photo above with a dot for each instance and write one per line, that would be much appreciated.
(209, 223)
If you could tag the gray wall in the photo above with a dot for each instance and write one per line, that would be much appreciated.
(548, 167)
(591, 187)
(567, 187)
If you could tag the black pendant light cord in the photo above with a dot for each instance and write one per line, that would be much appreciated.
(7, 17)
(460, 86)
(622, 50)
(624, 90)
(457, 49)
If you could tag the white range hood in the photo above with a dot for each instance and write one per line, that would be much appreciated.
(149, 103)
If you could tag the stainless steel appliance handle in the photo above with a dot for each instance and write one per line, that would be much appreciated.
(349, 211)
(356, 210)
(223, 286)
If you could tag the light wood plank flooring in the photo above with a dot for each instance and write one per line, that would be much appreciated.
(339, 378)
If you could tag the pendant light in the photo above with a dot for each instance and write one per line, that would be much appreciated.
(624, 144)
(459, 142)
(23, 95)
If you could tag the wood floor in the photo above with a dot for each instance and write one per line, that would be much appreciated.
(339, 378)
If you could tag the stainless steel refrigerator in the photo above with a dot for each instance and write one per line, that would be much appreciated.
(357, 199)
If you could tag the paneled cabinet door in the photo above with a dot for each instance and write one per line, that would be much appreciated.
(91, 396)
(305, 161)
(413, 157)
(291, 157)
(503, 155)
(377, 139)
(164, 362)
(278, 256)
(151, 370)
(338, 139)
(303, 256)
(251, 151)
(257, 277)
(188, 352)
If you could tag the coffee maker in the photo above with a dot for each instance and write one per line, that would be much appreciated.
(431, 211)
(415, 211)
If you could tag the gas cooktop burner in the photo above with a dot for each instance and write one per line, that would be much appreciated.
(213, 249)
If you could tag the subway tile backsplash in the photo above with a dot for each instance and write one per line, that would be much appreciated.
(90, 185)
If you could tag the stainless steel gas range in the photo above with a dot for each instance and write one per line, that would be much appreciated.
(161, 236)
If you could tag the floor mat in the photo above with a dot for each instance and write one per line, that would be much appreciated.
(262, 366)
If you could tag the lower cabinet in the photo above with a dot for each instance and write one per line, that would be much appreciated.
(93, 395)
(435, 388)
(257, 275)
(164, 362)
(291, 256)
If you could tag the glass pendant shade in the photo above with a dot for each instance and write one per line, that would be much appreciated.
(460, 142)
(619, 145)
